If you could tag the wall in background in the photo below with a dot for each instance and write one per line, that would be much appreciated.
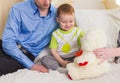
(5, 5)
(110, 4)
(82, 4)
(0, 21)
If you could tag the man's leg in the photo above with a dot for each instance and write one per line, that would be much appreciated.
(9, 65)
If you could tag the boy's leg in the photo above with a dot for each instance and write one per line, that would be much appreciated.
(49, 62)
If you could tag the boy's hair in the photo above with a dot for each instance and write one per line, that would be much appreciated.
(65, 9)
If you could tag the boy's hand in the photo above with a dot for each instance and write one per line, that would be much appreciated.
(64, 63)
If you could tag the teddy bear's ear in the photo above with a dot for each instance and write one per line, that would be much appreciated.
(78, 53)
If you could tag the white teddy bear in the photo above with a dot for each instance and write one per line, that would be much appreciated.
(87, 65)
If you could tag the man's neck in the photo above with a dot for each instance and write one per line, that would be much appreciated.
(43, 12)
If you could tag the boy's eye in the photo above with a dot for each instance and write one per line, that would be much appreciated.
(63, 22)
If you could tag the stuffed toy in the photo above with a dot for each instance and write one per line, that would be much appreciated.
(85, 64)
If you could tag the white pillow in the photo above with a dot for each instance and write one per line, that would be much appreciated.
(81, 4)
(114, 15)
(103, 19)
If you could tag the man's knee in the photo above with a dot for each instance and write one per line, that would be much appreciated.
(9, 65)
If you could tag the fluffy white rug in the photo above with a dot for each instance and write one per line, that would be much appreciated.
(27, 76)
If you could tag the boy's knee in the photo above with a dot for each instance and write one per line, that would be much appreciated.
(49, 62)
(45, 59)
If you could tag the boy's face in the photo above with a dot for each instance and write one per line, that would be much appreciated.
(66, 21)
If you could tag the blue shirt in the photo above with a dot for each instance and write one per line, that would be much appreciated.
(26, 27)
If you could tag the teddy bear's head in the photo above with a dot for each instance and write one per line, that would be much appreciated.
(93, 39)
(85, 60)
(87, 65)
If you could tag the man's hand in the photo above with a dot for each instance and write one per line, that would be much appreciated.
(39, 68)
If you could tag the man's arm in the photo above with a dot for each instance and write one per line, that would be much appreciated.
(11, 37)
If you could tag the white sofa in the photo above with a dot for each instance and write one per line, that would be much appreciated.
(108, 20)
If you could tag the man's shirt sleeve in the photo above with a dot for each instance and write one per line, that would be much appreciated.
(11, 36)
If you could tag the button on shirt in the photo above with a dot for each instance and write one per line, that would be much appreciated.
(26, 27)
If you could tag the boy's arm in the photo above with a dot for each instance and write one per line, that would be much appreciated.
(53, 46)
(57, 56)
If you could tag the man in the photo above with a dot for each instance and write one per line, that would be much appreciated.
(27, 32)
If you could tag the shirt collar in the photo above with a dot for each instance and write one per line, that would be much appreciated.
(34, 6)
(66, 32)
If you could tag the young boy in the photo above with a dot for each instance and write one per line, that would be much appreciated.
(65, 40)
